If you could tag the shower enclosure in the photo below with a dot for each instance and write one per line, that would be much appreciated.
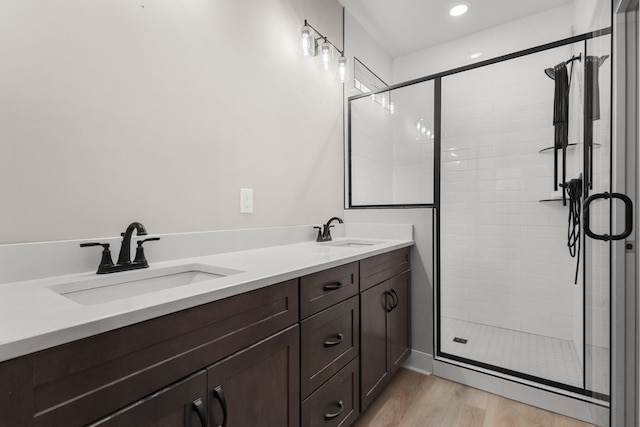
(520, 289)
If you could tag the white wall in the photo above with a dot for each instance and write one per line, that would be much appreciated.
(160, 111)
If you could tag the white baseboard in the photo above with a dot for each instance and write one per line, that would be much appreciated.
(419, 362)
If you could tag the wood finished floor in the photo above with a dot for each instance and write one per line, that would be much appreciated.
(415, 400)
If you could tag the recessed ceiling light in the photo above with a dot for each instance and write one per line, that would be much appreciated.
(459, 9)
(475, 55)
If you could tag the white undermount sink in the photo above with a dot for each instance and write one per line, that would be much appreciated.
(115, 286)
(352, 243)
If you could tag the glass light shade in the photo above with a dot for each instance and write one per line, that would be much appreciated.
(326, 55)
(307, 43)
(343, 69)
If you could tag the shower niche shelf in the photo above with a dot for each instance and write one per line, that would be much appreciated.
(570, 147)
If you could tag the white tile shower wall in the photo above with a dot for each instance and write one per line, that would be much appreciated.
(371, 151)
(505, 261)
(413, 147)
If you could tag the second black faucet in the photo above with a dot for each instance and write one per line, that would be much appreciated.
(324, 232)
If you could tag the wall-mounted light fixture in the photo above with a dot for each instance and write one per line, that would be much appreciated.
(313, 43)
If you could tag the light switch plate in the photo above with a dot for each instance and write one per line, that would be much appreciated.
(246, 200)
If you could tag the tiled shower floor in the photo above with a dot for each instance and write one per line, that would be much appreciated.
(550, 358)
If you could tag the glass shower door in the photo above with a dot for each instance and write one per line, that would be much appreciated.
(513, 297)
(597, 210)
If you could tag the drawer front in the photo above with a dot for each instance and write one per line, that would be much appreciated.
(326, 288)
(79, 382)
(329, 340)
(336, 403)
(381, 267)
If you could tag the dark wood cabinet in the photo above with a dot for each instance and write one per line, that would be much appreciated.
(379, 268)
(259, 385)
(330, 340)
(384, 333)
(335, 403)
(78, 383)
(399, 321)
(183, 404)
(312, 351)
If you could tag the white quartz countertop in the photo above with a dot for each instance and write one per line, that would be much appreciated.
(35, 317)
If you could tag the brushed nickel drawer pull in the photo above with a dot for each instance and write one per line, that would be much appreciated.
(330, 343)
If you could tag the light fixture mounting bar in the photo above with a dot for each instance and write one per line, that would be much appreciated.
(323, 37)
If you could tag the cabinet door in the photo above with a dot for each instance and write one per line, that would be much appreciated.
(258, 386)
(399, 320)
(374, 356)
(180, 405)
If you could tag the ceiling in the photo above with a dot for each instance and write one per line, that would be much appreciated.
(405, 26)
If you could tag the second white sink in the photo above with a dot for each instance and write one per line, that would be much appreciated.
(101, 289)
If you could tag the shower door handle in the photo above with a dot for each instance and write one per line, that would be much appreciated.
(628, 216)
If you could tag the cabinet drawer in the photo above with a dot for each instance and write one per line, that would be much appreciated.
(79, 382)
(381, 267)
(336, 402)
(326, 288)
(329, 340)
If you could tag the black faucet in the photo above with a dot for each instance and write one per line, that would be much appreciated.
(125, 247)
(324, 233)
(124, 259)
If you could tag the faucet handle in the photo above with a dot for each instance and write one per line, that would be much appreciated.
(140, 258)
(104, 245)
(150, 239)
(319, 237)
(106, 262)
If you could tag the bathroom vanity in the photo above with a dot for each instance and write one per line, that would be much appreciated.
(308, 340)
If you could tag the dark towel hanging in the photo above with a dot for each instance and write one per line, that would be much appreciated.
(560, 121)
(561, 106)
(592, 89)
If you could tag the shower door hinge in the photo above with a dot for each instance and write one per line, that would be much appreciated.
(630, 246)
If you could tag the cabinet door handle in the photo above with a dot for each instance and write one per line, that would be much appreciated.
(330, 416)
(396, 299)
(331, 343)
(218, 393)
(199, 407)
(388, 307)
(332, 286)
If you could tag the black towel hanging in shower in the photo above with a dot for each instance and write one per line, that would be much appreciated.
(560, 121)
(591, 108)
(561, 106)
(592, 88)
